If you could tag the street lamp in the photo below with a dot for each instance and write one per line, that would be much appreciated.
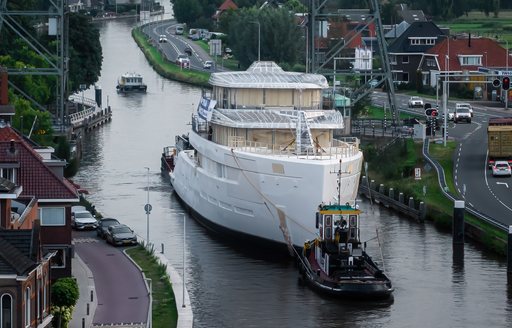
(259, 38)
(147, 208)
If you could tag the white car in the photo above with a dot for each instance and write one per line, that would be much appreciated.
(465, 105)
(208, 64)
(501, 168)
(415, 101)
(162, 38)
(82, 219)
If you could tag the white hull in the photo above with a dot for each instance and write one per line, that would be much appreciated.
(272, 197)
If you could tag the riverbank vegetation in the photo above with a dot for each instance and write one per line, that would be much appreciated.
(165, 313)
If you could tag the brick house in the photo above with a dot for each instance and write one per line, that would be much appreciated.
(25, 277)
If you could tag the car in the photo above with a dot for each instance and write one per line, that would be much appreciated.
(501, 168)
(179, 30)
(373, 83)
(183, 61)
(208, 64)
(103, 225)
(82, 219)
(188, 51)
(462, 114)
(120, 234)
(162, 38)
(451, 114)
(415, 101)
(465, 105)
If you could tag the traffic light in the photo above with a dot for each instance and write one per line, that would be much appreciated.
(428, 111)
(434, 113)
(505, 83)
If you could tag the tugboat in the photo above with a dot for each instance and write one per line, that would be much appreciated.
(336, 263)
(131, 82)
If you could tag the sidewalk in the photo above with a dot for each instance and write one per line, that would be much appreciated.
(85, 280)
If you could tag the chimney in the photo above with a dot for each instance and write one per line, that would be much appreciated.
(12, 148)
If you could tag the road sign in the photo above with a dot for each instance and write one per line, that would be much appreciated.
(148, 208)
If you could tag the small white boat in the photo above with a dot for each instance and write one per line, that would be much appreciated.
(131, 82)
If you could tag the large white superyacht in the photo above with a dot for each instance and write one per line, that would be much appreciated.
(262, 155)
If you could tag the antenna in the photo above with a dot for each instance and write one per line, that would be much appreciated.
(338, 181)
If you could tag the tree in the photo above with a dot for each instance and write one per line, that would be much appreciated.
(64, 297)
(278, 35)
(84, 51)
(187, 11)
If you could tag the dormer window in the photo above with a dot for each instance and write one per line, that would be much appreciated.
(9, 171)
(470, 60)
(422, 41)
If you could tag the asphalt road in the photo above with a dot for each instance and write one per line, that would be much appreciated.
(120, 290)
(176, 44)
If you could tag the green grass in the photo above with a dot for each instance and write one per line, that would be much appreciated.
(165, 313)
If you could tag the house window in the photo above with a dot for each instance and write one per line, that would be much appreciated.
(392, 58)
(27, 307)
(58, 261)
(8, 174)
(431, 62)
(405, 77)
(52, 216)
(405, 60)
(470, 60)
(6, 314)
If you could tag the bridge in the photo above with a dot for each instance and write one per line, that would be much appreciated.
(90, 116)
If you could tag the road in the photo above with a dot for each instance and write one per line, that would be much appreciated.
(474, 182)
(176, 44)
(120, 290)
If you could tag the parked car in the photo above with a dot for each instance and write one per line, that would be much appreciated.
(120, 234)
(183, 61)
(162, 38)
(103, 225)
(82, 219)
(501, 168)
(373, 83)
(415, 101)
(208, 64)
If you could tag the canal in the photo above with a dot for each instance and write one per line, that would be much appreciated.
(231, 286)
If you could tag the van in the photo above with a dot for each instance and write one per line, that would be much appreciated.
(179, 30)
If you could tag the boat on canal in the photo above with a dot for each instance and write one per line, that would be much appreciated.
(131, 82)
(261, 155)
(336, 263)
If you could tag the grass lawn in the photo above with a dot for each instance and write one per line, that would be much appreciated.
(164, 304)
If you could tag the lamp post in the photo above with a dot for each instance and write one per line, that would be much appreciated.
(259, 38)
(147, 208)
(184, 231)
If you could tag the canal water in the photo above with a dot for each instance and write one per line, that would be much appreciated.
(231, 286)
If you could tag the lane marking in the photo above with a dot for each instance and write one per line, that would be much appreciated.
(502, 183)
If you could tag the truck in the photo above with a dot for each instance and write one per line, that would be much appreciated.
(499, 140)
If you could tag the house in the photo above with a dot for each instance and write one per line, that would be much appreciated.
(406, 52)
(25, 278)
(226, 5)
(462, 56)
(35, 188)
(409, 15)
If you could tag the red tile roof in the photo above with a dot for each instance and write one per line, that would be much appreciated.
(33, 175)
(228, 4)
(493, 54)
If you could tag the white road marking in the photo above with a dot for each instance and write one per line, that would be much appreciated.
(502, 183)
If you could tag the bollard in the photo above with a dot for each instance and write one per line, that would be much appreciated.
(411, 202)
(423, 212)
(381, 188)
(401, 197)
(509, 251)
(87, 311)
(83, 322)
(372, 184)
(162, 251)
(391, 193)
(92, 295)
(458, 222)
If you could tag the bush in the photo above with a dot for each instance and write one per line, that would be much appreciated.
(65, 292)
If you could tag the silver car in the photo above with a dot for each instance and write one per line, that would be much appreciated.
(501, 168)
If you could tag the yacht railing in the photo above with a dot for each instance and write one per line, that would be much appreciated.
(339, 148)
